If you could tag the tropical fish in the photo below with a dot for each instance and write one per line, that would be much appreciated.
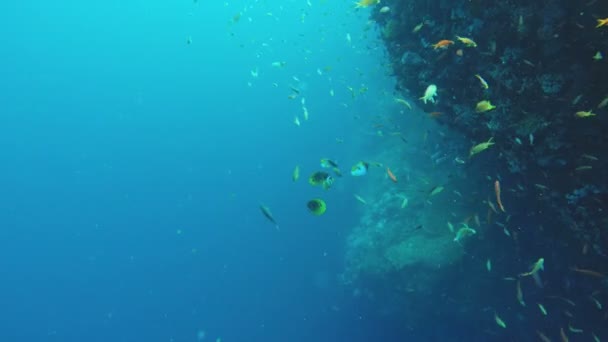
(602, 22)
(519, 293)
(418, 27)
(436, 190)
(480, 147)
(537, 266)
(484, 106)
(584, 114)
(467, 41)
(391, 175)
(429, 94)
(321, 178)
(484, 84)
(598, 56)
(499, 321)
(296, 173)
(266, 212)
(359, 169)
(587, 272)
(497, 191)
(316, 206)
(366, 3)
(464, 231)
(442, 44)
(403, 102)
(360, 199)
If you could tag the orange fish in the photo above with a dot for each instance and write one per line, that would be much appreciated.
(391, 175)
(443, 44)
(435, 114)
(497, 191)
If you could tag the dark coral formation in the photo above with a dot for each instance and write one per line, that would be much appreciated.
(543, 62)
(537, 58)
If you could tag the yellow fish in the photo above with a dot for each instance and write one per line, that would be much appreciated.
(480, 147)
(484, 106)
(583, 114)
(366, 3)
(467, 41)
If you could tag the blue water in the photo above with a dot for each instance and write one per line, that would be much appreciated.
(134, 163)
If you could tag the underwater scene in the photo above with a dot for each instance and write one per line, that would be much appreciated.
(304, 170)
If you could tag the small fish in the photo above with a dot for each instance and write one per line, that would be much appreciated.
(360, 199)
(483, 82)
(585, 114)
(366, 3)
(404, 202)
(266, 212)
(450, 227)
(590, 157)
(538, 265)
(296, 121)
(498, 200)
(542, 336)
(583, 168)
(531, 139)
(464, 232)
(385, 9)
(603, 104)
(480, 147)
(489, 265)
(296, 174)
(598, 56)
(484, 106)
(597, 303)
(278, 64)
(436, 190)
(562, 335)
(467, 41)
(587, 272)
(602, 22)
(443, 44)
(429, 94)
(574, 330)
(499, 321)
(418, 27)
(391, 175)
(519, 293)
(542, 309)
(403, 102)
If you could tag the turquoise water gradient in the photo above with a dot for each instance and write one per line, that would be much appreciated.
(133, 164)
